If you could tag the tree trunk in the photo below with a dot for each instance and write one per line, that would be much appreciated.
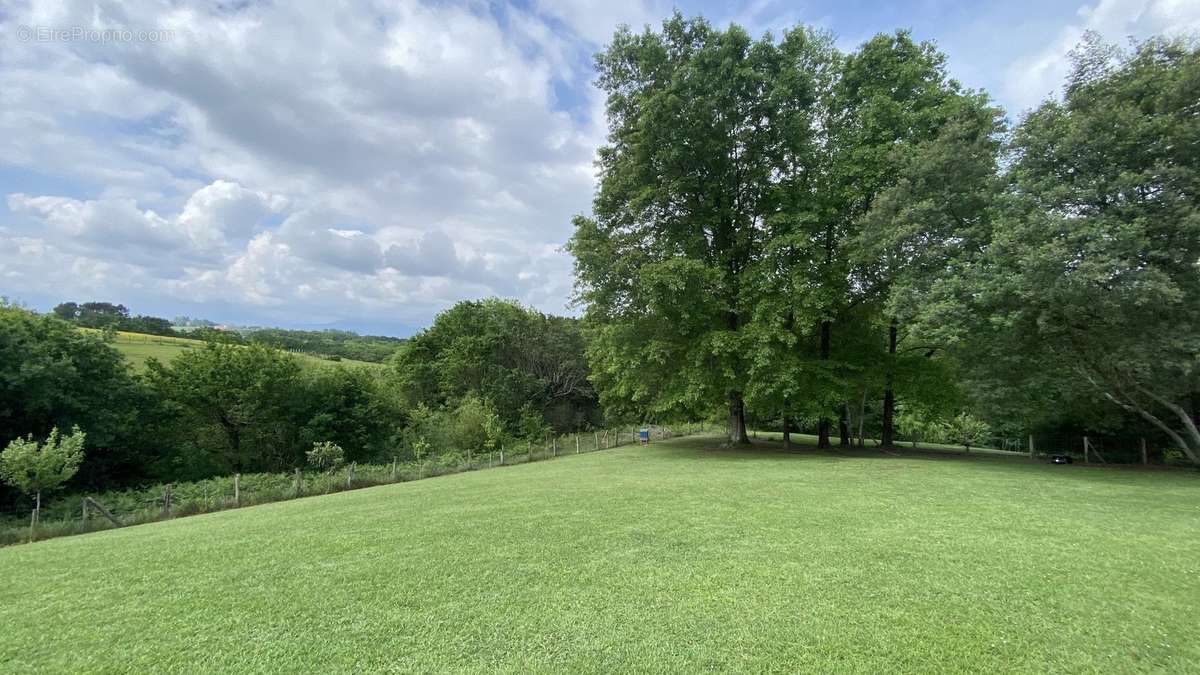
(1190, 441)
(844, 426)
(787, 433)
(36, 515)
(737, 419)
(889, 396)
(823, 425)
(234, 435)
(862, 416)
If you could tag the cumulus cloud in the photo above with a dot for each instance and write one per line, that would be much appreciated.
(431, 255)
(225, 211)
(317, 236)
(111, 223)
(348, 158)
(212, 219)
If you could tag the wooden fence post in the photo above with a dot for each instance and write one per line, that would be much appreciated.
(350, 475)
(1030, 446)
(502, 455)
(595, 440)
(1085, 450)
(237, 489)
(103, 511)
(85, 511)
(1145, 460)
(577, 443)
(554, 445)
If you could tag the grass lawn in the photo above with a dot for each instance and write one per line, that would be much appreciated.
(678, 557)
(138, 347)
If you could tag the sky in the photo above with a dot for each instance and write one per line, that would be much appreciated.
(365, 165)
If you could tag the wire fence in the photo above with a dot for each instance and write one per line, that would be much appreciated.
(82, 512)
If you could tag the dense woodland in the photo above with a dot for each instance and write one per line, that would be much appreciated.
(784, 236)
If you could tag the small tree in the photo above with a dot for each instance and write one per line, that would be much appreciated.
(914, 424)
(968, 430)
(531, 425)
(33, 467)
(468, 424)
(420, 447)
(426, 431)
(325, 455)
(493, 431)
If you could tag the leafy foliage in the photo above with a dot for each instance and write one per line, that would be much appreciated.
(232, 404)
(34, 468)
(325, 455)
(504, 354)
(330, 343)
(1087, 288)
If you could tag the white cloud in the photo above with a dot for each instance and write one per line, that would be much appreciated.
(346, 158)
(596, 21)
(225, 209)
(109, 224)
(1032, 79)
(212, 219)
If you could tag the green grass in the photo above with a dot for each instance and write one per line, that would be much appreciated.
(679, 557)
(138, 348)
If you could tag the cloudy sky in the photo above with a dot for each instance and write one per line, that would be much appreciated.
(365, 165)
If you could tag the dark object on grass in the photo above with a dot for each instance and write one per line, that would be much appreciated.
(1060, 459)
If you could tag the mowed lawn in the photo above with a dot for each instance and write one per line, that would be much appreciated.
(679, 557)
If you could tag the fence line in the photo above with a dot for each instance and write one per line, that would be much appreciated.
(173, 500)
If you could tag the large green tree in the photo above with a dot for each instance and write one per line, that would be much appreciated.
(827, 268)
(231, 408)
(1089, 285)
(508, 355)
(925, 226)
(699, 123)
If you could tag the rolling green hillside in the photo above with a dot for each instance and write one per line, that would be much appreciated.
(679, 557)
(138, 347)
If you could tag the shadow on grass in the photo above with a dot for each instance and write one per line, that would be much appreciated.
(715, 447)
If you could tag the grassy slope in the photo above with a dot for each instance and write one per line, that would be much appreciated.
(137, 348)
(677, 557)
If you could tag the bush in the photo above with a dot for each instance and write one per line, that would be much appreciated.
(325, 456)
(966, 430)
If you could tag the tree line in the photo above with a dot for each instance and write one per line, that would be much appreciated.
(801, 235)
(329, 343)
(485, 373)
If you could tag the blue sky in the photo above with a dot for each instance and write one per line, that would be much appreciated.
(368, 164)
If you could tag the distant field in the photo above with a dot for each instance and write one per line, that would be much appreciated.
(680, 557)
(138, 347)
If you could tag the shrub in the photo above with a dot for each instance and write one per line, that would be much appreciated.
(967, 430)
(325, 456)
